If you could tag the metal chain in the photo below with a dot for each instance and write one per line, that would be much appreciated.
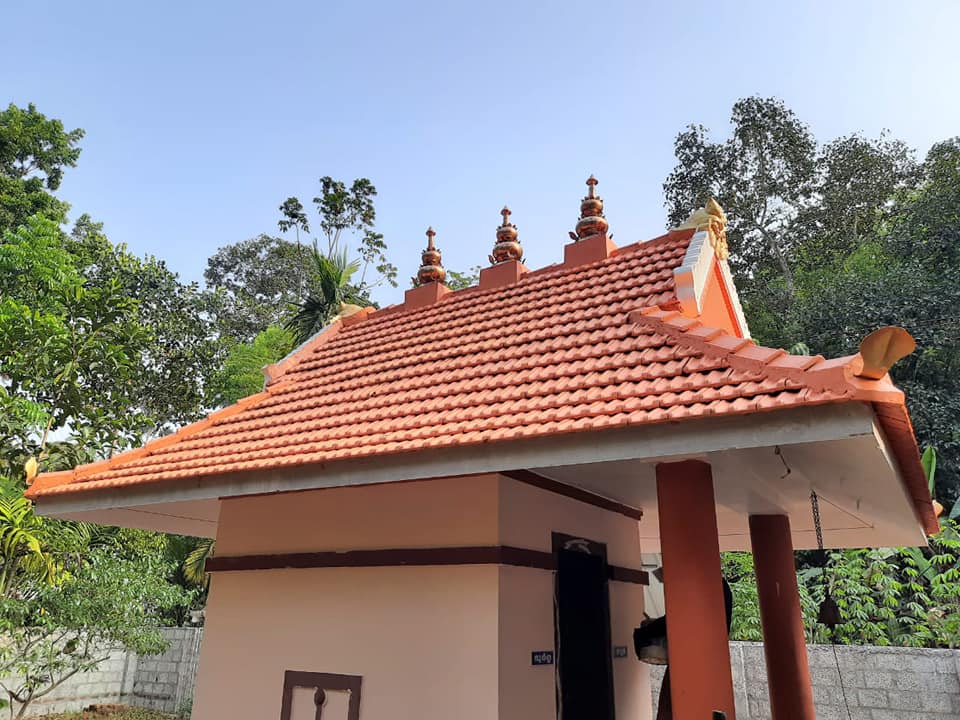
(815, 504)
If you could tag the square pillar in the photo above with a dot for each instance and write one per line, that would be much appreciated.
(784, 644)
(701, 680)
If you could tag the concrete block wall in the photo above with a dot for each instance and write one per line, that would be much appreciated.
(165, 682)
(109, 680)
(162, 682)
(877, 683)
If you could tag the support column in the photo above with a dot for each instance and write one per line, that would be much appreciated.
(697, 644)
(784, 644)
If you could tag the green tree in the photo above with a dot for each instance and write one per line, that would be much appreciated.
(858, 182)
(181, 349)
(830, 242)
(257, 283)
(928, 228)
(53, 632)
(330, 276)
(22, 555)
(34, 151)
(67, 349)
(346, 209)
(98, 348)
(460, 280)
(242, 372)
(294, 216)
(762, 176)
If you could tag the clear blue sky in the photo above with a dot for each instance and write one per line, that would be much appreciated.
(202, 117)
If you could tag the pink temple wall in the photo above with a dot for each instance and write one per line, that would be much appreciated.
(430, 642)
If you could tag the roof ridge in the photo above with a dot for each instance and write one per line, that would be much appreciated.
(814, 371)
(553, 270)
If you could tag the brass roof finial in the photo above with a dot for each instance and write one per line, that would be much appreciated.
(431, 269)
(507, 246)
(592, 222)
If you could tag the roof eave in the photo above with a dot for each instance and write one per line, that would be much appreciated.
(649, 443)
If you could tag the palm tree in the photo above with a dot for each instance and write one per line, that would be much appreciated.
(195, 564)
(21, 550)
(330, 289)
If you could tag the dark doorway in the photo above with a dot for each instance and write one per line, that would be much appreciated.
(584, 670)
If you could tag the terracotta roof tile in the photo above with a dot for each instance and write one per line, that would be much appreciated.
(564, 349)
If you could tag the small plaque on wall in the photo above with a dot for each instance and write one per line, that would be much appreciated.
(541, 657)
(619, 651)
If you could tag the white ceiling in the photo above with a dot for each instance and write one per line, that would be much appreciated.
(862, 500)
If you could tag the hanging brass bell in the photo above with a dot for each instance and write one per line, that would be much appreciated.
(829, 613)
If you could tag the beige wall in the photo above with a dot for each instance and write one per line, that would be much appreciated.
(431, 643)
(430, 513)
(527, 692)
(528, 518)
(424, 640)
(631, 678)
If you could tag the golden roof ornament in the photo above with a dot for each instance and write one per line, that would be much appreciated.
(507, 246)
(712, 219)
(431, 268)
(592, 222)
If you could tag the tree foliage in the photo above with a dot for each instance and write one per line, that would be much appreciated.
(242, 372)
(886, 596)
(330, 277)
(257, 283)
(95, 344)
(97, 348)
(183, 345)
(761, 175)
(34, 151)
(57, 630)
(67, 348)
(460, 280)
(829, 242)
(346, 209)
(23, 556)
(31, 143)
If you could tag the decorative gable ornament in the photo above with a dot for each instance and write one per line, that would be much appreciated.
(713, 220)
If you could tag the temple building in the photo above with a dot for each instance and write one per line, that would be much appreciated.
(437, 509)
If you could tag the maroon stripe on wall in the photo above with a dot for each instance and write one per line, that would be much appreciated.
(544, 483)
(415, 557)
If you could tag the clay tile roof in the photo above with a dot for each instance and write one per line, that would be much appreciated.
(563, 349)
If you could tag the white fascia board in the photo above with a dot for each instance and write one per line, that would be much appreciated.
(691, 277)
(650, 443)
(734, 298)
(888, 456)
(693, 274)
